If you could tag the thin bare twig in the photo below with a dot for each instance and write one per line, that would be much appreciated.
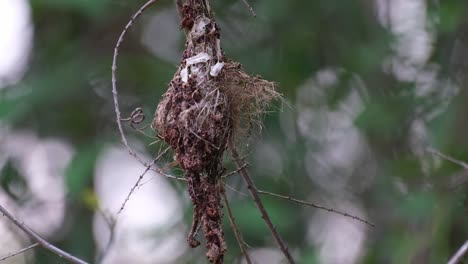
(289, 198)
(167, 175)
(132, 190)
(116, 102)
(249, 6)
(19, 252)
(458, 179)
(235, 171)
(235, 229)
(42, 242)
(253, 191)
(114, 80)
(111, 222)
(448, 158)
(315, 206)
(234, 190)
(460, 254)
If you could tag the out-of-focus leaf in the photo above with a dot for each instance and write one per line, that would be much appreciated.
(449, 15)
(417, 206)
(385, 118)
(309, 257)
(253, 226)
(90, 199)
(408, 167)
(80, 172)
(86, 7)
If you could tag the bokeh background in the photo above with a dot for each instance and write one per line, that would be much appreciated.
(369, 86)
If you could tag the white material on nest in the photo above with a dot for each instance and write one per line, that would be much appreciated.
(216, 69)
(199, 58)
(184, 74)
(199, 28)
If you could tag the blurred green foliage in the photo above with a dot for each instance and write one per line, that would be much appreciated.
(66, 94)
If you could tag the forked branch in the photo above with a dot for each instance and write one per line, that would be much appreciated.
(41, 241)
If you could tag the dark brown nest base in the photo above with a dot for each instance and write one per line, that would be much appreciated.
(209, 102)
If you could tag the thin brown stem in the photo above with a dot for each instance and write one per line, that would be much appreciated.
(315, 206)
(253, 191)
(19, 251)
(114, 80)
(137, 183)
(42, 242)
(289, 198)
(167, 175)
(235, 229)
(460, 255)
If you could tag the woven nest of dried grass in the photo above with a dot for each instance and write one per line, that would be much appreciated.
(210, 102)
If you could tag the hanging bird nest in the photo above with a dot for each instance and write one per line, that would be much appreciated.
(210, 102)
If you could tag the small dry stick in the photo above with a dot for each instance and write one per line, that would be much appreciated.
(19, 252)
(111, 222)
(235, 229)
(448, 158)
(249, 6)
(253, 191)
(235, 171)
(42, 242)
(132, 190)
(459, 255)
(289, 198)
(161, 172)
(458, 179)
(316, 206)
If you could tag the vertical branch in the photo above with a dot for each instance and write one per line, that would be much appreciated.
(253, 191)
(42, 242)
(235, 228)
